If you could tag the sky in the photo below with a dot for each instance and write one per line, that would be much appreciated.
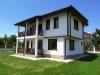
(13, 11)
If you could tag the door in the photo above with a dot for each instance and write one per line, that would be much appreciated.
(40, 46)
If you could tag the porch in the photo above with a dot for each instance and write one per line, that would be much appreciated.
(32, 46)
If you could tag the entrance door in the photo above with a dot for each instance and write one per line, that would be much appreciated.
(40, 46)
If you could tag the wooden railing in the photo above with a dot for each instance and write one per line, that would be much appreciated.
(30, 33)
(30, 51)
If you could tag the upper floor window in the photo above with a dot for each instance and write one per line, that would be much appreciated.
(56, 22)
(48, 24)
(71, 45)
(76, 24)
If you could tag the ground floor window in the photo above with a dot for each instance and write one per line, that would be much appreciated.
(71, 45)
(52, 44)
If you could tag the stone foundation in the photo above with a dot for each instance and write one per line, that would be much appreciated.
(54, 56)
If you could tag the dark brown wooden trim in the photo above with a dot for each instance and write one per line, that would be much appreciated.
(64, 48)
(67, 24)
(69, 8)
(70, 25)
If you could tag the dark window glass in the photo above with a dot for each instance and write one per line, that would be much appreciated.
(52, 44)
(56, 22)
(48, 24)
(76, 26)
(71, 44)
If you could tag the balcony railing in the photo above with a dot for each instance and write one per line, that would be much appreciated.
(40, 32)
(21, 34)
(30, 33)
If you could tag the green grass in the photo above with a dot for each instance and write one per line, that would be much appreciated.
(16, 66)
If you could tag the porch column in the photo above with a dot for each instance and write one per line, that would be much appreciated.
(36, 39)
(25, 47)
(29, 43)
(18, 30)
(25, 41)
(94, 49)
(17, 39)
(16, 46)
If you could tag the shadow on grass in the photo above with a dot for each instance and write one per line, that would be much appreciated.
(89, 58)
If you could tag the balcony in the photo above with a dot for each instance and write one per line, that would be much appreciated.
(30, 33)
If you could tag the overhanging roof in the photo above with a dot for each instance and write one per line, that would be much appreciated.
(69, 9)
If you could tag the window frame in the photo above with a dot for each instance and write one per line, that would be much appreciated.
(51, 44)
(76, 24)
(56, 23)
(48, 24)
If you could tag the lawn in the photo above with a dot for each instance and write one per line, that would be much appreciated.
(16, 66)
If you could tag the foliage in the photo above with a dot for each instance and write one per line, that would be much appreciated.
(8, 41)
(5, 40)
(1, 43)
(96, 38)
(87, 44)
(12, 40)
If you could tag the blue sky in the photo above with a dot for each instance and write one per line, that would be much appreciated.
(12, 11)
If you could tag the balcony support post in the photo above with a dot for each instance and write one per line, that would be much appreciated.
(25, 41)
(16, 46)
(36, 39)
(18, 30)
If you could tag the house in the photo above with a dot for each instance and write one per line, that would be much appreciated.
(92, 48)
(57, 34)
(88, 37)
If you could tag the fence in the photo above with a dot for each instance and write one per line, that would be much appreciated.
(7, 49)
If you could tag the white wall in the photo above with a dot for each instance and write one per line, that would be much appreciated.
(62, 30)
(76, 33)
(60, 47)
(78, 47)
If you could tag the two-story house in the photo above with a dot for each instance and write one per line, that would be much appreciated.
(56, 34)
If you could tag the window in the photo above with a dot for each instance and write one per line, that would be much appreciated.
(56, 22)
(76, 27)
(52, 44)
(71, 44)
(48, 24)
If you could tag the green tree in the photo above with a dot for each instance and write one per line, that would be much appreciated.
(96, 38)
(87, 44)
(5, 40)
(1, 43)
(12, 40)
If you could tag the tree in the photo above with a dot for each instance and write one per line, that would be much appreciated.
(87, 44)
(5, 40)
(96, 38)
(1, 43)
(12, 40)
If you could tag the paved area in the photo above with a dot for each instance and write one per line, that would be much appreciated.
(97, 52)
(32, 57)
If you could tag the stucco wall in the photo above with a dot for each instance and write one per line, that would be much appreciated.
(60, 47)
(76, 33)
(78, 47)
(62, 30)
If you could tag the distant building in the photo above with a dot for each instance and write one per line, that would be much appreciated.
(88, 37)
